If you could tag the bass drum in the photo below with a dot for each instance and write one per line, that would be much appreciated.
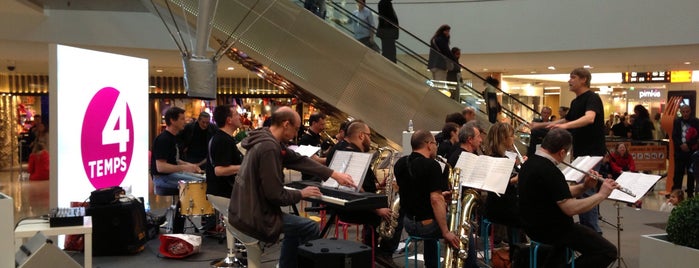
(193, 200)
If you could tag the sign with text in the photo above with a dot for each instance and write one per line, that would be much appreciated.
(101, 139)
(645, 77)
(646, 157)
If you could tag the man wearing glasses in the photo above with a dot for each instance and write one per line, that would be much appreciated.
(358, 138)
(259, 193)
(421, 185)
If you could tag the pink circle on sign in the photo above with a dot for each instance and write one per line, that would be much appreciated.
(107, 149)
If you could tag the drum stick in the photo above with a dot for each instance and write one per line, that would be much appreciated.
(621, 188)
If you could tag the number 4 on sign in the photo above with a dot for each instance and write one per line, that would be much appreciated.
(113, 132)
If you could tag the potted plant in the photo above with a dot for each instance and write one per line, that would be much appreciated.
(680, 246)
(683, 224)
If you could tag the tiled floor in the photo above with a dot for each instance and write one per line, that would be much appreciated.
(31, 198)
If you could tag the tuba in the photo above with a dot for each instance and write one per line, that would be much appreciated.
(461, 210)
(387, 227)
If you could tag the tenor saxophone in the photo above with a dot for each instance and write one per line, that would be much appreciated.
(461, 210)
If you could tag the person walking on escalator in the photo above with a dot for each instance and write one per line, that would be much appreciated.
(388, 29)
(441, 59)
(364, 26)
(491, 99)
(454, 75)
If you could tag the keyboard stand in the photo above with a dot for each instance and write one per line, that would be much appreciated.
(331, 219)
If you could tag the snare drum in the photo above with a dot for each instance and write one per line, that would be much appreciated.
(193, 200)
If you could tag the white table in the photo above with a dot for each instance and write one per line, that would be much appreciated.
(29, 228)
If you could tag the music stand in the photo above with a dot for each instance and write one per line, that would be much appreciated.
(619, 258)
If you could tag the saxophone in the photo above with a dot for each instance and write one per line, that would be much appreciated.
(387, 227)
(461, 223)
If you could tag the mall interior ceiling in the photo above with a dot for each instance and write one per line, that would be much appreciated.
(32, 57)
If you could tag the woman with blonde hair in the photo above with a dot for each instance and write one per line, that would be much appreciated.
(504, 209)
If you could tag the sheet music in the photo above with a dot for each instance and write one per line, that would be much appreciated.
(638, 183)
(499, 175)
(584, 163)
(305, 150)
(511, 154)
(485, 172)
(353, 163)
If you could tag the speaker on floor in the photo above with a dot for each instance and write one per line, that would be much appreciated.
(118, 228)
(40, 251)
(334, 253)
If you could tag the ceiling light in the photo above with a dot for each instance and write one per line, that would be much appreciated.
(231, 68)
(485, 69)
(587, 67)
(159, 71)
(552, 68)
(532, 72)
(687, 62)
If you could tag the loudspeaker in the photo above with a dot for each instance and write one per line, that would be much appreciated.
(40, 251)
(334, 253)
(200, 77)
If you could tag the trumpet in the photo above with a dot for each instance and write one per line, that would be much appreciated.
(598, 178)
(328, 138)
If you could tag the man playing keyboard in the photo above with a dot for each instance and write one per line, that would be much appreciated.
(166, 167)
(259, 193)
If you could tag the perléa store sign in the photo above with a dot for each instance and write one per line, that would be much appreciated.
(649, 93)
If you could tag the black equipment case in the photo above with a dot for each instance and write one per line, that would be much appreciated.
(118, 228)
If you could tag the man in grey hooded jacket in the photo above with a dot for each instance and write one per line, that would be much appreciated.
(258, 192)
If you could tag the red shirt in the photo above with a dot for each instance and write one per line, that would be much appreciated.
(38, 166)
(621, 163)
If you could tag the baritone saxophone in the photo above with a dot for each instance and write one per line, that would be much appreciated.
(461, 224)
(388, 226)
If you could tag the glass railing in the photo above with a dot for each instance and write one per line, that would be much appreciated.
(408, 47)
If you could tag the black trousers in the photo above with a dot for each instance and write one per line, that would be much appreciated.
(595, 251)
(388, 48)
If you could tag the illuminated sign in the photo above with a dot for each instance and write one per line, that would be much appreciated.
(680, 76)
(649, 93)
(101, 101)
(645, 77)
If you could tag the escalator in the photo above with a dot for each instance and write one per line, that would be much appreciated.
(330, 69)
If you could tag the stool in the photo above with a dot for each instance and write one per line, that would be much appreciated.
(172, 209)
(534, 248)
(345, 227)
(417, 238)
(252, 245)
(485, 235)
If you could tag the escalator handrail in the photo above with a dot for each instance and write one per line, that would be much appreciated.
(418, 56)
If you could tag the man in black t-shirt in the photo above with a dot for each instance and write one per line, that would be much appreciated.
(585, 121)
(194, 138)
(316, 125)
(224, 156)
(166, 166)
(547, 206)
(421, 181)
(358, 139)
